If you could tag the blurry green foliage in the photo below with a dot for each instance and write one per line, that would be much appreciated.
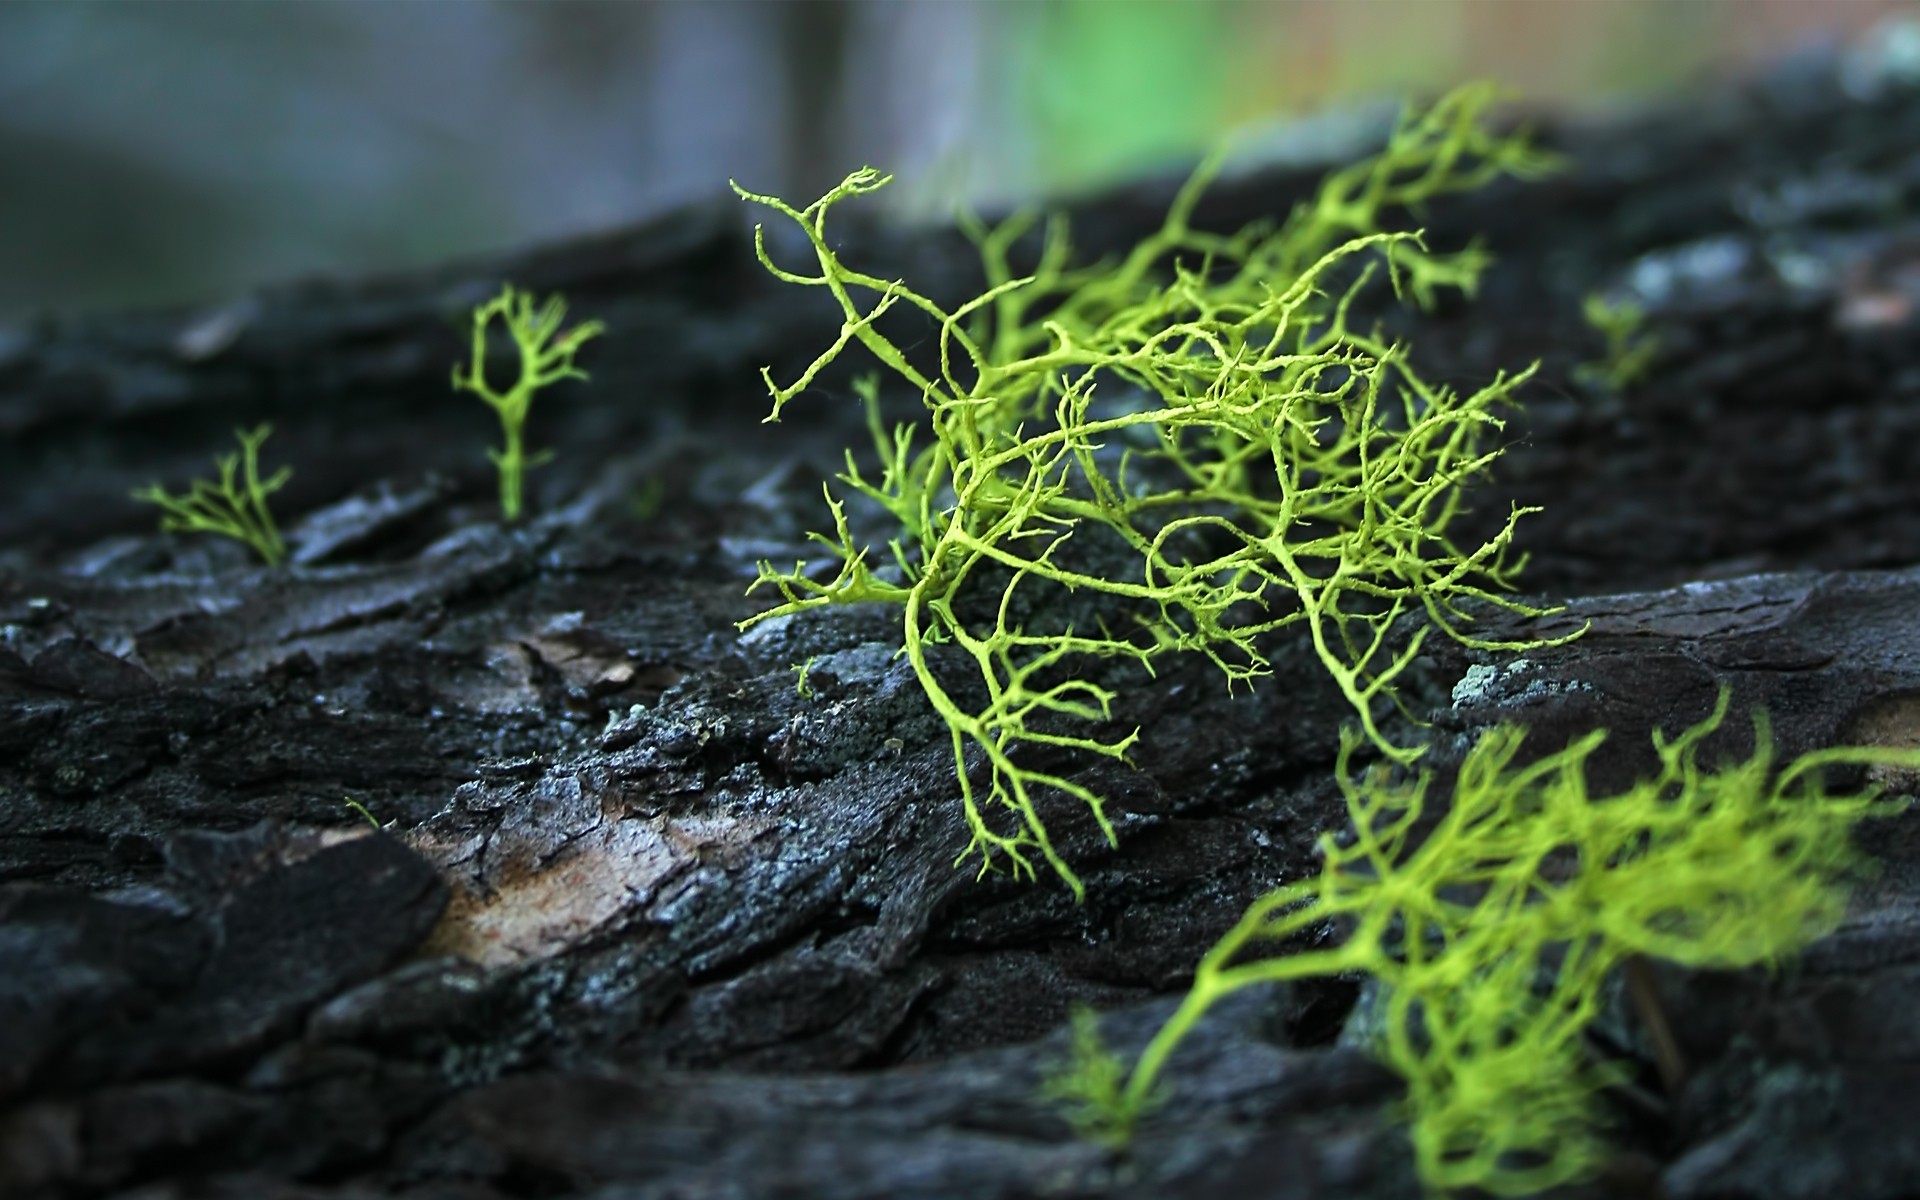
(1103, 86)
(1630, 349)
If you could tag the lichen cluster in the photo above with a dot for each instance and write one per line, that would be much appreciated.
(1211, 405)
(236, 506)
(1489, 940)
(1209, 412)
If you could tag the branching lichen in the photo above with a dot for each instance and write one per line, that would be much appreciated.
(1491, 937)
(543, 361)
(1262, 461)
(235, 507)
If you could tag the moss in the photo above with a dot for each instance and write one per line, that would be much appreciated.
(1207, 406)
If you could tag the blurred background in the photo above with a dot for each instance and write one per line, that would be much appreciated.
(161, 152)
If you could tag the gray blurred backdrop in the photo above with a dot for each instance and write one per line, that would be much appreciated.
(160, 152)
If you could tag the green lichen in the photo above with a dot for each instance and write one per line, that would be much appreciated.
(1090, 1087)
(235, 507)
(1491, 937)
(1259, 460)
(543, 361)
(1630, 349)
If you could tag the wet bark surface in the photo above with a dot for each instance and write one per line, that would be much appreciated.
(642, 920)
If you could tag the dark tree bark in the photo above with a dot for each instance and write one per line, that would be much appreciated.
(643, 921)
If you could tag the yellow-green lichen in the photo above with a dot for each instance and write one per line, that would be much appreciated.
(1490, 938)
(546, 358)
(1262, 460)
(235, 507)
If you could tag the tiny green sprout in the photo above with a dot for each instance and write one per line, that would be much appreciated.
(234, 507)
(543, 361)
(1630, 350)
(360, 808)
(1491, 937)
(802, 686)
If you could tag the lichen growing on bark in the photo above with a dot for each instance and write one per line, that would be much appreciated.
(1491, 935)
(1211, 407)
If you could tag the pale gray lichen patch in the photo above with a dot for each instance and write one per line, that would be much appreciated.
(1474, 683)
(1500, 683)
